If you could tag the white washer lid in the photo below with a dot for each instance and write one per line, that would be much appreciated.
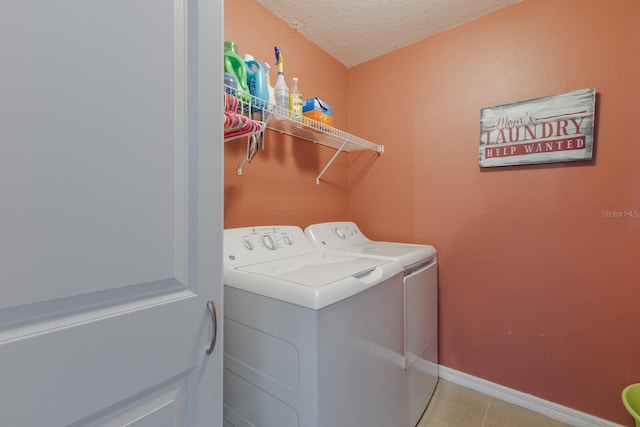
(279, 262)
(315, 270)
(346, 237)
(313, 281)
(405, 253)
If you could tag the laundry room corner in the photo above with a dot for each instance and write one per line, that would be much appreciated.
(538, 263)
(279, 185)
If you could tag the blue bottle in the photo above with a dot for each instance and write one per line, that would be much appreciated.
(256, 79)
(230, 81)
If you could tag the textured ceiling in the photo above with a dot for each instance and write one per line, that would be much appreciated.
(356, 31)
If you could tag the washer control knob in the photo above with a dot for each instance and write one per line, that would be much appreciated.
(340, 233)
(248, 244)
(287, 240)
(269, 243)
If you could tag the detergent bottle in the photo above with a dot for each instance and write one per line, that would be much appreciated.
(256, 78)
(281, 88)
(272, 91)
(234, 64)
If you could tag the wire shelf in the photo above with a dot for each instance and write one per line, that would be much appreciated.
(279, 119)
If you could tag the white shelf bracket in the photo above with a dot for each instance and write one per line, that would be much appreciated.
(346, 141)
(252, 146)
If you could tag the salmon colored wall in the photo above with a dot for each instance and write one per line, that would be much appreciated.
(539, 286)
(278, 186)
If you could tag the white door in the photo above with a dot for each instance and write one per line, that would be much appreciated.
(110, 212)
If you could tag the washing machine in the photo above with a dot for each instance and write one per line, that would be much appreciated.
(420, 302)
(311, 339)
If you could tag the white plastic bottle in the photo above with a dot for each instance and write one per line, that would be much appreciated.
(272, 91)
(295, 100)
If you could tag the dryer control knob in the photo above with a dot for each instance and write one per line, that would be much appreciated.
(287, 240)
(340, 233)
(248, 244)
(269, 243)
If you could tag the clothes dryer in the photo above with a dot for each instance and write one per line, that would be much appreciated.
(311, 339)
(420, 302)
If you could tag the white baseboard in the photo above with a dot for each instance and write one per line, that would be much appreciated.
(533, 403)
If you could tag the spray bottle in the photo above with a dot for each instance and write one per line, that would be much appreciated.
(281, 88)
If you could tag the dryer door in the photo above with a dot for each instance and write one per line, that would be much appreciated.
(421, 313)
(421, 337)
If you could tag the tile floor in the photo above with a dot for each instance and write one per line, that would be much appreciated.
(453, 405)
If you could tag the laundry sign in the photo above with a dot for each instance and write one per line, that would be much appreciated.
(556, 128)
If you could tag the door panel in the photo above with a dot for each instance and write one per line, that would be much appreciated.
(90, 135)
(111, 223)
